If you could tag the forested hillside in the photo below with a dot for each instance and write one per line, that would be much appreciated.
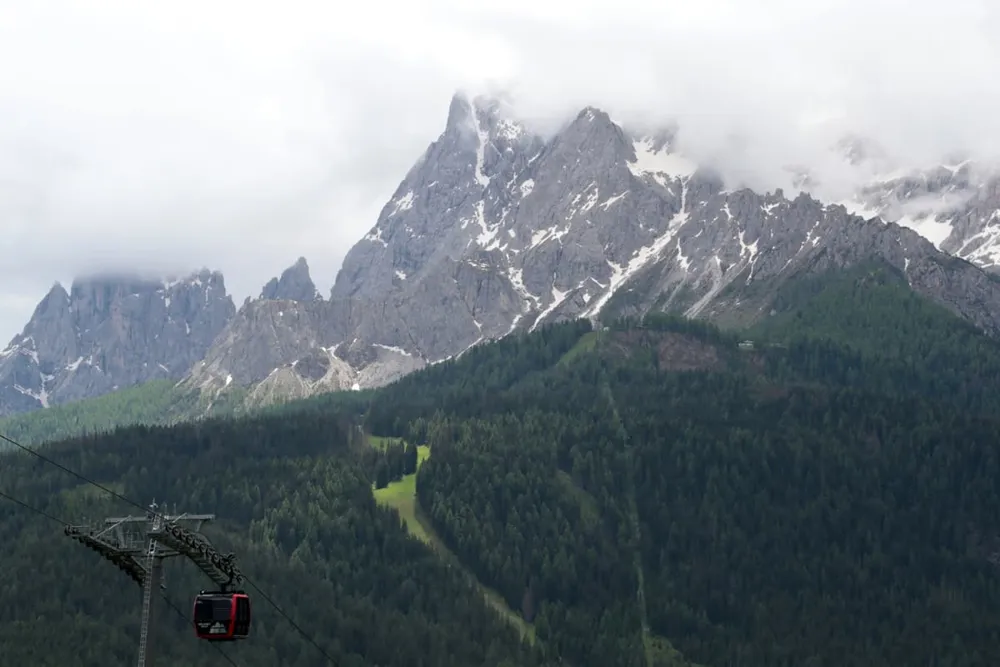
(655, 493)
(153, 403)
(290, 503)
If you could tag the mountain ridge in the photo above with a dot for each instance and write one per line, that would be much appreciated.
(495, 229)
(109, 332)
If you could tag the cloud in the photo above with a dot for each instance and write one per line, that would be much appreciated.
(240, 135)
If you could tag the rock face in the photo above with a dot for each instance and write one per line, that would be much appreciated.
(955, 205)
(496, 229)
(290, 343)
(111, 332)
(295, 284)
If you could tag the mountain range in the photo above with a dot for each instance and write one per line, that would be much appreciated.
(496, 229)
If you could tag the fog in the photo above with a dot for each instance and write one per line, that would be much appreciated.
(241, 135)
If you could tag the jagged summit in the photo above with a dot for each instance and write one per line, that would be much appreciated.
(500, 229)
(56, 297)
(111, 331)
(461, 114)
(294, 284)
(495, 229)
(56, 288)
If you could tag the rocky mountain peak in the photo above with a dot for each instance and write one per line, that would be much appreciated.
(954, 204)
(465, 181)
(592, 146)
(294, 284)
(460, 114)
(55, 301)
(495, 229)
(111, 331)
(529, 231)
(595, 123)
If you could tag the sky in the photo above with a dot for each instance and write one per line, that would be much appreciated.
(238, 136)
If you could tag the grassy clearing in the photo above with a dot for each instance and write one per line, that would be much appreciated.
(586, 344)
(588, 506)
(402, 496)
(381, 441)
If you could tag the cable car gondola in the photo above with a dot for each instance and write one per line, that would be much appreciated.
(222, 616)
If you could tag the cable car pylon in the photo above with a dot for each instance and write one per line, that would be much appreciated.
(138, 545)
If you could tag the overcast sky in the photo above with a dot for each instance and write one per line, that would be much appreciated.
(240, 135)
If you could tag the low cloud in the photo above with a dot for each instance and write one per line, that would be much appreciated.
(240, 135)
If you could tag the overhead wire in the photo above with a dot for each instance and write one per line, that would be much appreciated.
(32, 509)
(11, 441)
(119, 496)
(163, 594)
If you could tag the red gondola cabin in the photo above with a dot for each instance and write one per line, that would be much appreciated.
(222, 616)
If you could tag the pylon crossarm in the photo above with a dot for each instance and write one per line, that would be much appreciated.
(124, 561)
(221, 569)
